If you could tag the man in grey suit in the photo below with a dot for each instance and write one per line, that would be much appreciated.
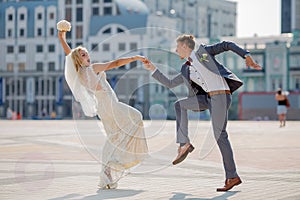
(210, 87)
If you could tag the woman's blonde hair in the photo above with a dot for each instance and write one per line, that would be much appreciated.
(189, 40)
(76, 57)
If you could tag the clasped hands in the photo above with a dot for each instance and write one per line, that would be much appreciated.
(147, 63)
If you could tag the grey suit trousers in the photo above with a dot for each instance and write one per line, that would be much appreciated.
(218, 106)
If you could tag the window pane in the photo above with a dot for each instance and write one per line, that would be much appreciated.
(39, 16)
(22, 16)
(297, 83)
(106, 47)
(9, 32)
(51, 66)
(39, 32)
(22, 49)
(51, 15)
(107, 31)
(68, 14)
(79, 14)
(39, 66)
(51, 31)
(10, 17)
(78, 32)
(133, 46)
(122, 47)
(21, 32)
(39, 48)
(10, 67)
(119, 30)
(95, 11)
(51, 48)
(94, 47)
(107, 11)
(10, 49)
(21, 66)
(133, 64)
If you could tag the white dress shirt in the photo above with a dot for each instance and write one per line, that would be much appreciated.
(205, 78)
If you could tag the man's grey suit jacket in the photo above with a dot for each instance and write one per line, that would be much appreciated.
(206, 55)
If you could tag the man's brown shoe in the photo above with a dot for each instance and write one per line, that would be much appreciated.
(183, 152)
(230, 183)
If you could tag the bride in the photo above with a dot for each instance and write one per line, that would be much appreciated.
(126, 145)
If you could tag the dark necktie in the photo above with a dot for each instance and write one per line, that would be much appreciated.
(188, 63)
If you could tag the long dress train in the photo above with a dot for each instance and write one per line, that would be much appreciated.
(126, 144)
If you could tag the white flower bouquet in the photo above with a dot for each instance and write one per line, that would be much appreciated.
(63, 25)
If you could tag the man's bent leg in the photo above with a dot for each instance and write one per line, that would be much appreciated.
(181, 107)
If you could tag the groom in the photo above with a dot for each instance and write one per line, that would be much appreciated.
(210, 87)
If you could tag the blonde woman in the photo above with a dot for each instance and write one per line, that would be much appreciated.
(126, 145)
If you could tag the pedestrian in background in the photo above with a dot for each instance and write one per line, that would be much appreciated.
(9, 113)
(282, 104)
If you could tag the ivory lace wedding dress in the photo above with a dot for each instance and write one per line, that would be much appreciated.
(126, 145)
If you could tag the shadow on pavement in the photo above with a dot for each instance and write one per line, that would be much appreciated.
(112, 194)
(184, 196)
(102, 194)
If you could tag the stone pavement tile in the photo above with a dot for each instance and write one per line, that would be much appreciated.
(50, 161)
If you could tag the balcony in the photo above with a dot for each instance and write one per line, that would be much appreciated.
(253, 72)
(295, 68)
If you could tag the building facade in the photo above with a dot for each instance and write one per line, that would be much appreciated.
(32, 68)
(202, 18)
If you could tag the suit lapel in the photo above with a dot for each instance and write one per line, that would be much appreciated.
(208, 62)
(185, 70)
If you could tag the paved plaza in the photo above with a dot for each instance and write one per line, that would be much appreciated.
(60, 160)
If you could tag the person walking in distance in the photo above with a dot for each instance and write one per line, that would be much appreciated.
(281, 107)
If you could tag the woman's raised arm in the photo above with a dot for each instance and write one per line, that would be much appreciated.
(98, 67)
(63, 42)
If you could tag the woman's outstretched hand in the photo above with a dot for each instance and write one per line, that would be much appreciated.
(141, 58)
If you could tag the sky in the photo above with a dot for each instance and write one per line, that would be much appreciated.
(261, 17)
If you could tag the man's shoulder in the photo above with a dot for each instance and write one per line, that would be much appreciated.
(201, 48)
(202, 45)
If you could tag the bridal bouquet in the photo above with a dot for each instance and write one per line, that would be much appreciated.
(63, 25)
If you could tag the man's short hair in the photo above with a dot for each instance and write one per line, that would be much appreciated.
(189, 40)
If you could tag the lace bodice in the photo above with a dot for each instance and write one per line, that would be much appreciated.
(90, 79)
